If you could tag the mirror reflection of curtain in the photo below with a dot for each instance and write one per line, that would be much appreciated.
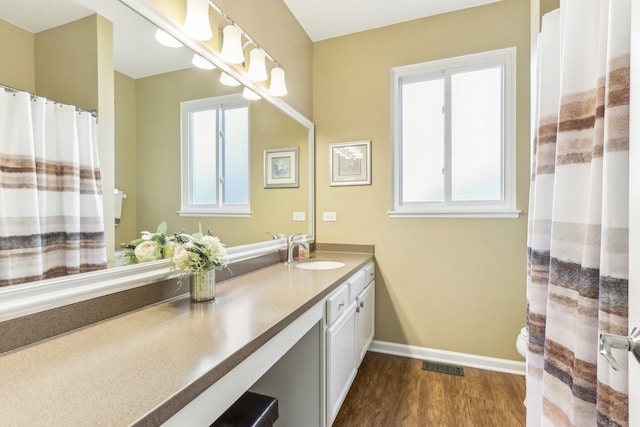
(48, 164)
(577, 282)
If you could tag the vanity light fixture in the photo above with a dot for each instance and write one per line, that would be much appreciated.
(257, 69)
(166, 39)
(232, 50)
(232, 45)
(200, 62)
(278, 86)
(196, 24)
(250, 95)
(227, 80)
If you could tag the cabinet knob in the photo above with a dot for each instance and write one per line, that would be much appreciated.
(357, 309)
(341, 304)
(362, 304)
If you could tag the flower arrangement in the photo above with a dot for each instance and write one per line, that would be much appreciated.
(192, 254)
(149, 247)
(199, 252)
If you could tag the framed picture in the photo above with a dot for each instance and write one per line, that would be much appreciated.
(281, 167)
(350, 163)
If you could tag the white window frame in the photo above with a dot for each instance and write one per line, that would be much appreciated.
(221, 209)
(506, 208)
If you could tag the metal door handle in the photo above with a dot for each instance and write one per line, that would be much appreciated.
(630, 343)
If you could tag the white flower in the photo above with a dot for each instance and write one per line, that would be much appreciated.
(200, 253)
(148, 250)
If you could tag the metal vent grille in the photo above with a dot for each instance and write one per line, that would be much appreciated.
(441, 367)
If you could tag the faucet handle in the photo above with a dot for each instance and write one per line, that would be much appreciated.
(291, 237)
(274, 236)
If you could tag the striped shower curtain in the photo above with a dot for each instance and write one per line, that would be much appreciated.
(578, 216)
(51, 220)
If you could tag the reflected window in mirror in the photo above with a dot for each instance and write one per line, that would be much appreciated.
(215, 156)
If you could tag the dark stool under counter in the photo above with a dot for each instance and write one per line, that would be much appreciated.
(250, 410)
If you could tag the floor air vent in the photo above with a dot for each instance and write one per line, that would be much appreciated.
(441, 367)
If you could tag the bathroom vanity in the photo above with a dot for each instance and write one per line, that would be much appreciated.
(294, 334)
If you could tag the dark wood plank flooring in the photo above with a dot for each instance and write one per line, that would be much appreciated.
(393, 391)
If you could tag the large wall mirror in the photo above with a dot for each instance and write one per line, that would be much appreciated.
(150, 83)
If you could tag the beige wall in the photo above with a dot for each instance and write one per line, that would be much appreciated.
(63, 70)
(17, 67)
(548, 5)
(158, 161)
(451, 284)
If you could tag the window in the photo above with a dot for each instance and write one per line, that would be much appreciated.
(453, 137)
(215, 156)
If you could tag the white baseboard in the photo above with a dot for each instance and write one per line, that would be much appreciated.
(450, 357)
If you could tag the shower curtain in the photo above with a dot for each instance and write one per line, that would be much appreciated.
(578, 216)
(51, 221)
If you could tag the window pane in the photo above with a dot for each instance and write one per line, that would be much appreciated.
(476, 137)
(236, 153)
(423, 141)
(202, 156)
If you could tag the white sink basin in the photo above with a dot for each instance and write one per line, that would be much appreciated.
(319, 265)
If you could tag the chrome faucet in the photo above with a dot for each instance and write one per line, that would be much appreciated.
(291, 244)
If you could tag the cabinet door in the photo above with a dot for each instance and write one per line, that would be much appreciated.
(365, 318)
(341, 360)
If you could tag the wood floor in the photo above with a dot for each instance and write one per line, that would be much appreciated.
(393, 391)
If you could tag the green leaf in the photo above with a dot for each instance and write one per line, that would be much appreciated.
(162, 228)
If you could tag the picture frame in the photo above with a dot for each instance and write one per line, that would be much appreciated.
(350, 163)
(281, 167)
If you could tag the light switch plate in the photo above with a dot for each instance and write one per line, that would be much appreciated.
(299, 216)
(329, 216)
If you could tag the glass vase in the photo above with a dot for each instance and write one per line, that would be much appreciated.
(203, 285)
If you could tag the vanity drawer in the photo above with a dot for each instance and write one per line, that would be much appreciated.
(357, 283)
(369, 273)
(337, 303)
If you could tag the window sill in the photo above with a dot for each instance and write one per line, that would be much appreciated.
(217, 213)
(455, 214)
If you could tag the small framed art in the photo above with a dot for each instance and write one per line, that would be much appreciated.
(350, 163)
(281, 167)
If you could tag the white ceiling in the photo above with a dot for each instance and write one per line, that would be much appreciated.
(325, 19)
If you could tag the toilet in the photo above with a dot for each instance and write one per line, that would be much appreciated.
(521, 342)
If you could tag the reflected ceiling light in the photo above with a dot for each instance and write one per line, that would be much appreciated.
(227, 80)
(257, 69)
(200, 62)
(278, 86)
(166, 39)
(250, 95)
(232, 45)
(197, 24)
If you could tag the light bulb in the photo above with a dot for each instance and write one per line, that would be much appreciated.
(200, 62)
(278, 86)
(231, 50)
(196, 24)
(227, 80)
(166, 39)
(257, 70)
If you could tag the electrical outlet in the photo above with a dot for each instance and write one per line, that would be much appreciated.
(329, 216)
(299, 216)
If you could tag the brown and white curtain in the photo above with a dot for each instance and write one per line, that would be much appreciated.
(51, 220)
(578, 216)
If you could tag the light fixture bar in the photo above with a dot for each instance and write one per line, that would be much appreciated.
(244, 33)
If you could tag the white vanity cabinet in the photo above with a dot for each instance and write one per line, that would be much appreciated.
(365, 320)
(341, 359)
(350, 328)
